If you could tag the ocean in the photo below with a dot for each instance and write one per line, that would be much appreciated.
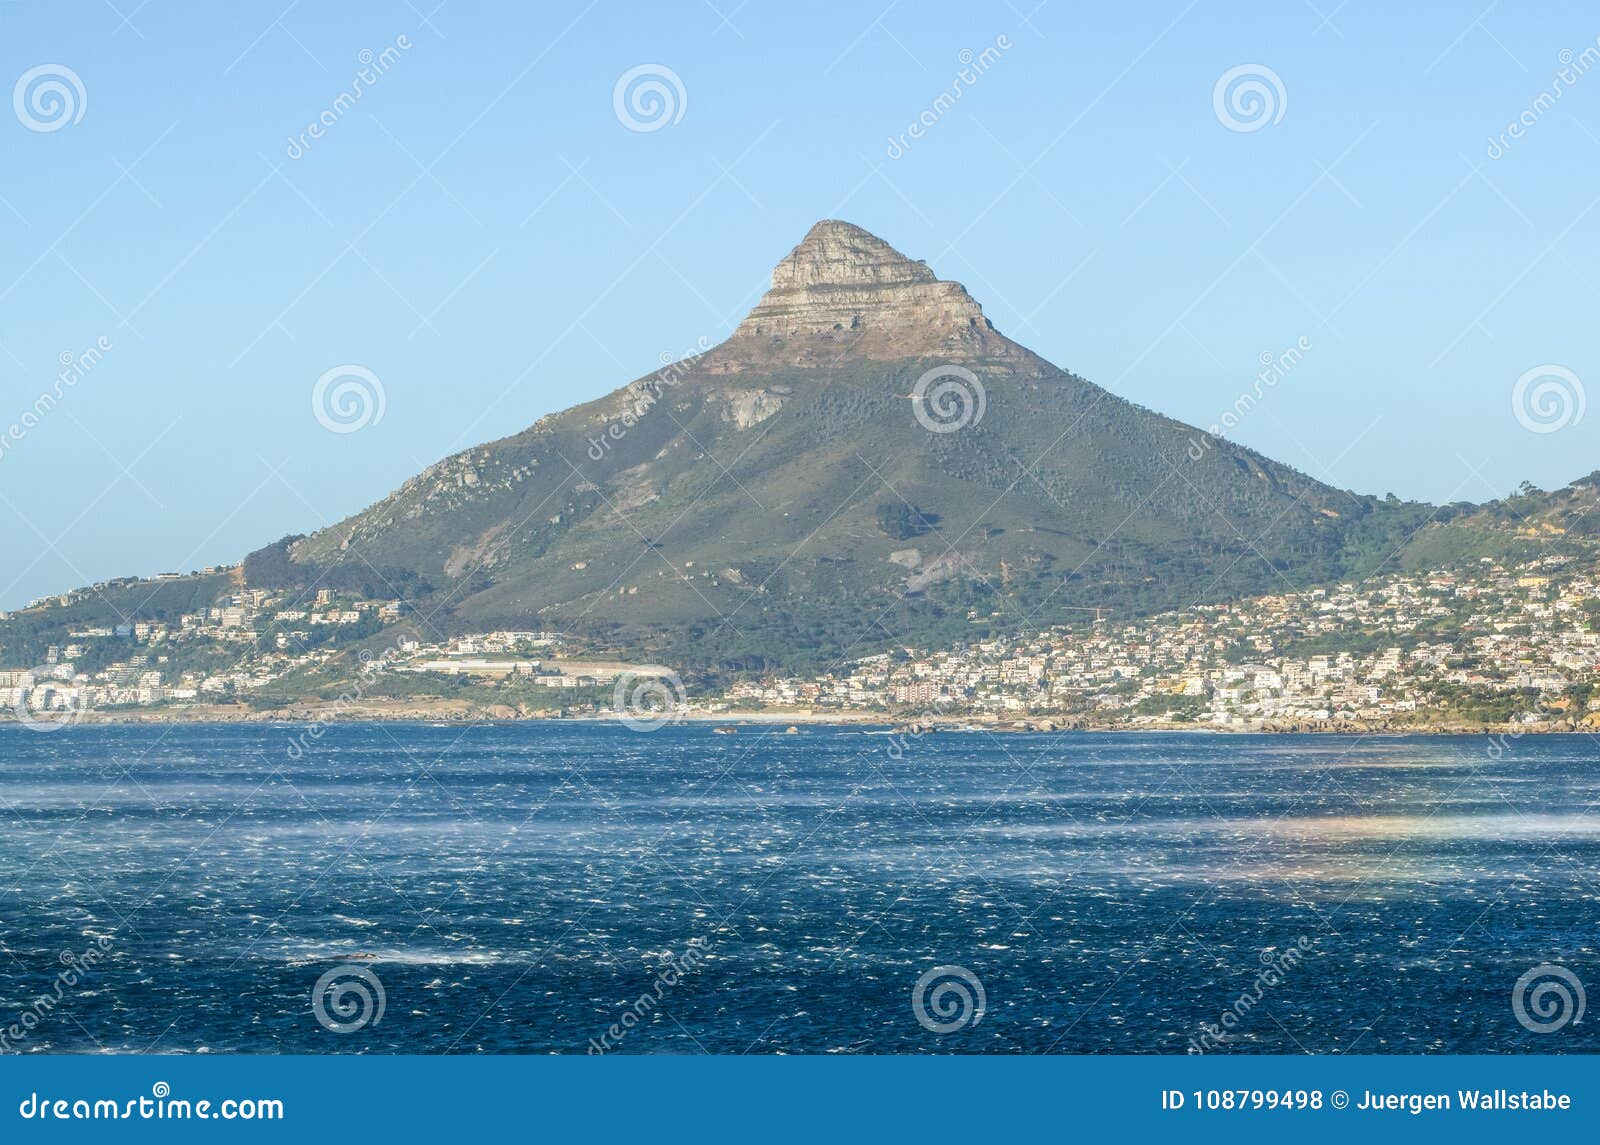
(557, 887)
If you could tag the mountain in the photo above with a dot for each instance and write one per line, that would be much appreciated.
(865, 461)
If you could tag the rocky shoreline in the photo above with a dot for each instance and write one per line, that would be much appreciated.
(460, 711)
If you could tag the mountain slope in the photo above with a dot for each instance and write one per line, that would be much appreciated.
(866, 461)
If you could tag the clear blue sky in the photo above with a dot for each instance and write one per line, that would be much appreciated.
(484, 234)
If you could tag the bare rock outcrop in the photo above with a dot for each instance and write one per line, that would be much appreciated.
(843, 290)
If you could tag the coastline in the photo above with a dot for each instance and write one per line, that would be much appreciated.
(910, 724)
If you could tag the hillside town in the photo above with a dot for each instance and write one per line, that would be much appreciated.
(253, 642)
(1493, 645)
(1488, 645)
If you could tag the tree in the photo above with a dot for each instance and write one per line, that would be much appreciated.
(901, 521)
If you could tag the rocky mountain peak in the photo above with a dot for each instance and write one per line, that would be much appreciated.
(839, 254)
(844, 291)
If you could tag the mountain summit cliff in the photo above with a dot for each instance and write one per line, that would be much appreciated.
(845, 291)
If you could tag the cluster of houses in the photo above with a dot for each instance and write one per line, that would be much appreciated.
(1372, 651)
(252, 639)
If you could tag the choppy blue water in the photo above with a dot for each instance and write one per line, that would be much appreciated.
(523, 888)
